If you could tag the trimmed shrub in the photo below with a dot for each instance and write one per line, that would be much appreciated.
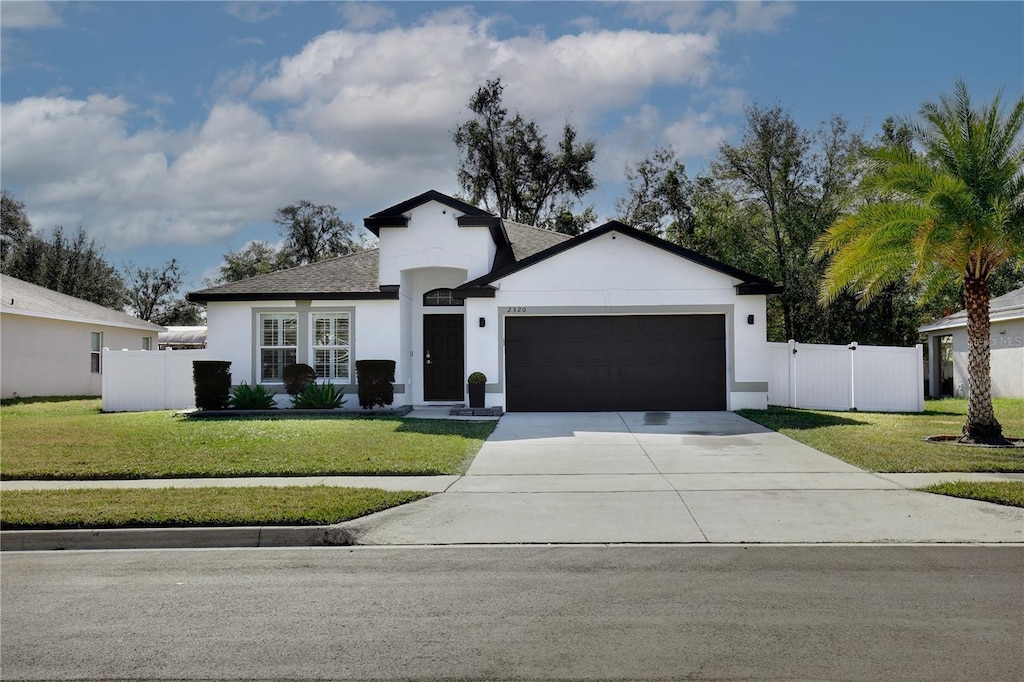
(212, 379)
(246, 397)
(319, 397)
(376, 382)
(297, 377)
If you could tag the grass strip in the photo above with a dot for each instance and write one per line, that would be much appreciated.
(74, 440)
(893, 443)
(256, 506)
(1010, 493)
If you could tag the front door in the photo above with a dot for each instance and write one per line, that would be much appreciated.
(443, 366)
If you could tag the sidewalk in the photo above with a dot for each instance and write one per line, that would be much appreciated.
(481, 483)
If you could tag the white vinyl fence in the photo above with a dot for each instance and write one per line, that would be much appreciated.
(138, 380)
(869, 378)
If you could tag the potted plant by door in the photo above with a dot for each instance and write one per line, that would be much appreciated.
(476, 389)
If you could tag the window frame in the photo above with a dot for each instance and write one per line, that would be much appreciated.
(453, 300)
(281, 348)
(345, 347)
(96, 352)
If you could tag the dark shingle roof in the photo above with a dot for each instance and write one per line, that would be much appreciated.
(24, 298)
(353, 276)
(528, 240)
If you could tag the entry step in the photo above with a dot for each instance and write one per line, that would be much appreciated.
(463, 411)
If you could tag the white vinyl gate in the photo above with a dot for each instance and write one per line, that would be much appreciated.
(854, 377)
(139, 380)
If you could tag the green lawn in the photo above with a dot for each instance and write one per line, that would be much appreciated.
(126, 508)
(73, 439)
(892, 442)
(1010, 493)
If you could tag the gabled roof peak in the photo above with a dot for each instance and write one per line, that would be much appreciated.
(394, 216)
(749, 283)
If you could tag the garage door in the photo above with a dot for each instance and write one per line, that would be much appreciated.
(630, 362)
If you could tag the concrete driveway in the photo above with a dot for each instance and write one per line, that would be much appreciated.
(700, 477)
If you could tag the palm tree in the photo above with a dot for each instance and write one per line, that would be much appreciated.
(951, 208)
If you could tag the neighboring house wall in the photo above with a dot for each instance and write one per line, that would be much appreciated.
(1006, 344)
(41, 356)
(1007, 359)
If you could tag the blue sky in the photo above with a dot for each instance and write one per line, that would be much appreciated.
(175, 129)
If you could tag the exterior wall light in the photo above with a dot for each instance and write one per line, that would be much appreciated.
(750, 319)
(483, 321)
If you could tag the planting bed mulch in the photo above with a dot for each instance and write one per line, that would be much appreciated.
(955, 440)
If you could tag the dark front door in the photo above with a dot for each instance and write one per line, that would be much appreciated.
(444, 375)
(629, 362)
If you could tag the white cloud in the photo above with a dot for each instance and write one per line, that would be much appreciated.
(747, 16)
(758, 17)
(236, 83)
(696, 134)
(398, 89)
(29, 15)
(253, 12)
(77, 162)
(359, 120)
(250, 40)
(363, 15)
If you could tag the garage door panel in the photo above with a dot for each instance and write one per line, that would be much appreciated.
(637, 362)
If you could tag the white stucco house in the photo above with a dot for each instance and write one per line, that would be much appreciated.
(614, 319)
(51, 344)
(947, 350)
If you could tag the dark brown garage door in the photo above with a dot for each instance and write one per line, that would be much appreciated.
(633, 362)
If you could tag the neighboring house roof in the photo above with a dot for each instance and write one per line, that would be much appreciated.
(353, 277)
(18, 297)
(1006, 307)
(192, 336)
(749, 283)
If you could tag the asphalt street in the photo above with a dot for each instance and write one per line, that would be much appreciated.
(516, 612)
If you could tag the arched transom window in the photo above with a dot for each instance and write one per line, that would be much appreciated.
(442, 297)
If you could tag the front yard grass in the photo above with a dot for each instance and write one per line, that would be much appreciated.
(892, 442)
(1010, 493)
(72, 439)
(257, 506)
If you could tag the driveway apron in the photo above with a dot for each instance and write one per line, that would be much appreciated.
(690, 477)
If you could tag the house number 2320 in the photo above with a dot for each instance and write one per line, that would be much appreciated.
(516, 310)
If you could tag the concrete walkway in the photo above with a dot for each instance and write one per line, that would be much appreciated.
(674, 477)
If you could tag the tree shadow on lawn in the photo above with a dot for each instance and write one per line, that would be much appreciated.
(788, 418)
(31, 400)
(448, 427)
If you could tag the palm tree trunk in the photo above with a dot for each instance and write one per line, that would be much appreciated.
(981, 426)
